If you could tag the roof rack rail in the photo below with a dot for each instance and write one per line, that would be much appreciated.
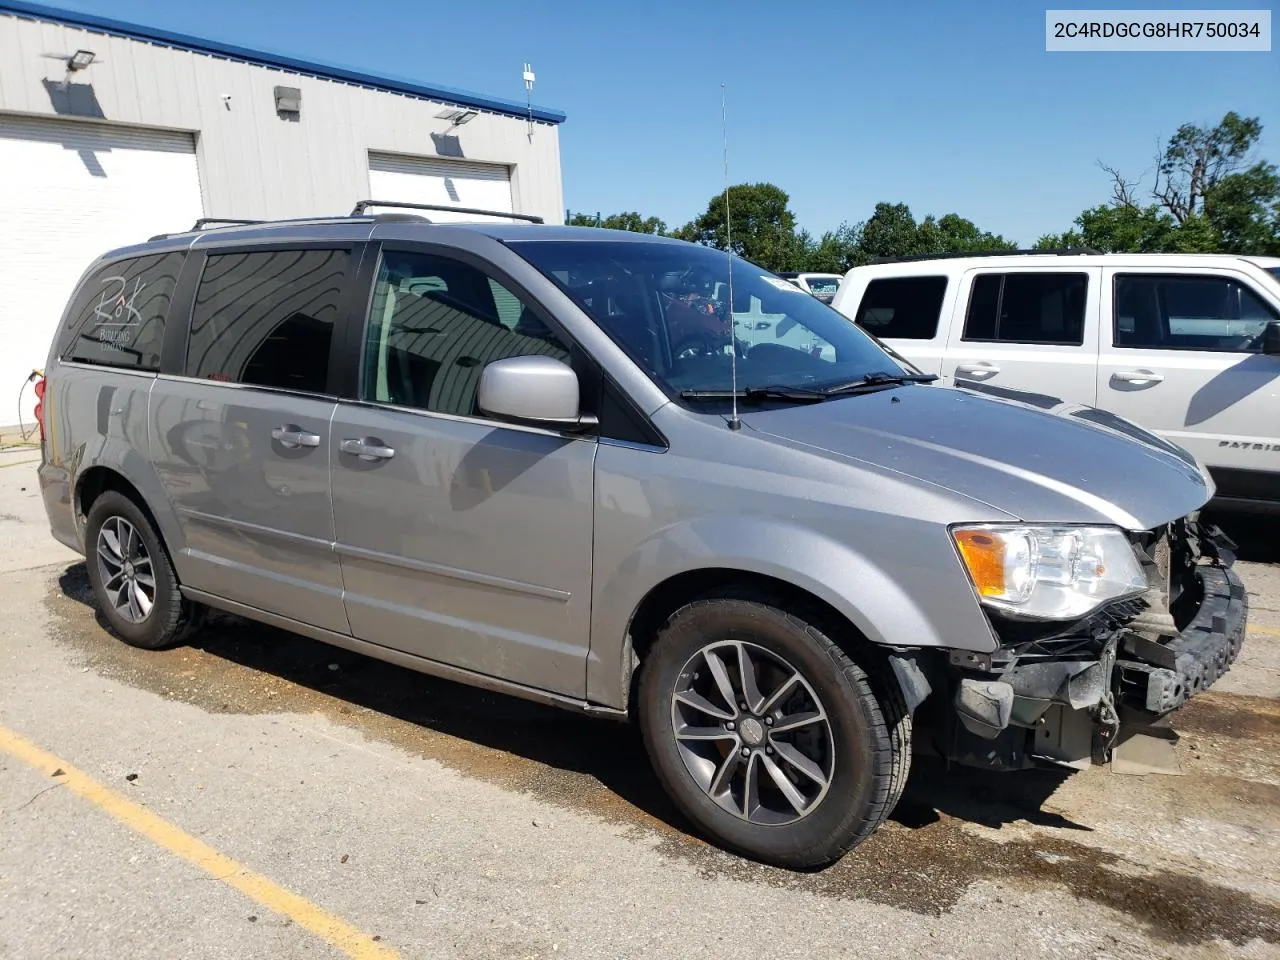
(202, 223)
(1055, 252)
(363, 205)
(229, 221)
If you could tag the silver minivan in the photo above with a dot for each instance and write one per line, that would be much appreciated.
(568, 465)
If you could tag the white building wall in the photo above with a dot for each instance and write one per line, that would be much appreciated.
(253, 163)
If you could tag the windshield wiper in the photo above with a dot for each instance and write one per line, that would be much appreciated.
(877, 381)
(792, 394)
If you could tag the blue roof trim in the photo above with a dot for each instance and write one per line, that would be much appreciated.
(264, 58)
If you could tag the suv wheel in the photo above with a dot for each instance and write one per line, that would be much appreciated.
(767, 735)
(131, 575)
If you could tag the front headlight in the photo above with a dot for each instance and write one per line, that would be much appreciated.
(1049, 573)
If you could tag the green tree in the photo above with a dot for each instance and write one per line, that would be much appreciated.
(1197, 159)
(630, 220)
(763, 227)
(836, 251)
(1208, 196)
(892, 231)
(1243, 210)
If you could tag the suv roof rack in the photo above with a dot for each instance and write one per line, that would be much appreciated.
(363, 205)
(229, 221)
(358, 212)
(1055, 252)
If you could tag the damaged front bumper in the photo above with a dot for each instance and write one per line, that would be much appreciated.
(1060, 697)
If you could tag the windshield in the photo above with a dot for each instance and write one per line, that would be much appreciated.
(1274, 271)
(667, 306)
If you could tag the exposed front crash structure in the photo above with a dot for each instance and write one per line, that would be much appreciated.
(1060, 693)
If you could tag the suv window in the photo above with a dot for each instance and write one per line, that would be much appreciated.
(119, 317)
(1027, 308)
(1188, 313)
(904, 307)
(267, 319)
(433, 325)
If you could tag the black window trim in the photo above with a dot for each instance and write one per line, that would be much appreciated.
(77, 301)
(174, 355)
(585, 365)
(1003, 275)
(1117, 273)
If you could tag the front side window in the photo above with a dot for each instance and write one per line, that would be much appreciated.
(267, 319)
(1046, 308)
(1217, 314)
(668, 306)
(906, 308)
(120, 315)
(433, 325)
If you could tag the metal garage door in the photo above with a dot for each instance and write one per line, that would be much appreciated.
(457, 183)
(69, 191)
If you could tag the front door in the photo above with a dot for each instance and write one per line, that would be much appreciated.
(1182, 356)
(462, 540)
(241, 440)
(1029, 331)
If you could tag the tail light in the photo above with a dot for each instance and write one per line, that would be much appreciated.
(39, 388)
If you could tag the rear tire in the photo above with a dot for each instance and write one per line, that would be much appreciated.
(132, 576)
(828, 748)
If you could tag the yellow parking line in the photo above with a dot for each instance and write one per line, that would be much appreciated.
(221, 867)
(1264, 631)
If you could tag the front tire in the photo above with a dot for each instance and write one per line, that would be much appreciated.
(767, 735)
(132, 576)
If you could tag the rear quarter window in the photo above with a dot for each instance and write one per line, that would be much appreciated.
(119, 313)
(906, 308)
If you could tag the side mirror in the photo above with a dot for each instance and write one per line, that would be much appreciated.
(534, 391)
(1271, 338)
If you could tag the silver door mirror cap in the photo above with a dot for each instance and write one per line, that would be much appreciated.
(533, 391)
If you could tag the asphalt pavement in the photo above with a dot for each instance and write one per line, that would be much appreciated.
(257, 794)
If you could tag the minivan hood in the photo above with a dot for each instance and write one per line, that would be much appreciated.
(1066, 464)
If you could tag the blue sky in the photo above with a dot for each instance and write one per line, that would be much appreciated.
(948, 107)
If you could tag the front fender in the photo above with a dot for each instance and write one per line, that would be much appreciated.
(931, 605)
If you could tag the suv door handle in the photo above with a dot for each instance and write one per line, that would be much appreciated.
(367, 448)
(1138, 376)
(293, 436)
(978, 368)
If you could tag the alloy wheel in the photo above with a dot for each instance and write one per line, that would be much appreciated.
(125, 567)
(752, 733)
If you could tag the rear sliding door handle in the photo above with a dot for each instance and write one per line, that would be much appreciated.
(367, 448)
(1138, 376)
(293, 436)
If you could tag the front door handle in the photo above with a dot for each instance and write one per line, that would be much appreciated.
(367, 448)
(293, 436)
(978, 368)
(1138, 376)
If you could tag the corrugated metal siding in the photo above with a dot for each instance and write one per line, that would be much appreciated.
(253, 163)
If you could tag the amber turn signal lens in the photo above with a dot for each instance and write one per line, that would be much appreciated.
(983, 554)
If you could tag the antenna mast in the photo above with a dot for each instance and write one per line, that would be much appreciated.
(734, 422)
(528, 93)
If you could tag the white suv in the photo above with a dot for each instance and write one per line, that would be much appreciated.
(1187, 345)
